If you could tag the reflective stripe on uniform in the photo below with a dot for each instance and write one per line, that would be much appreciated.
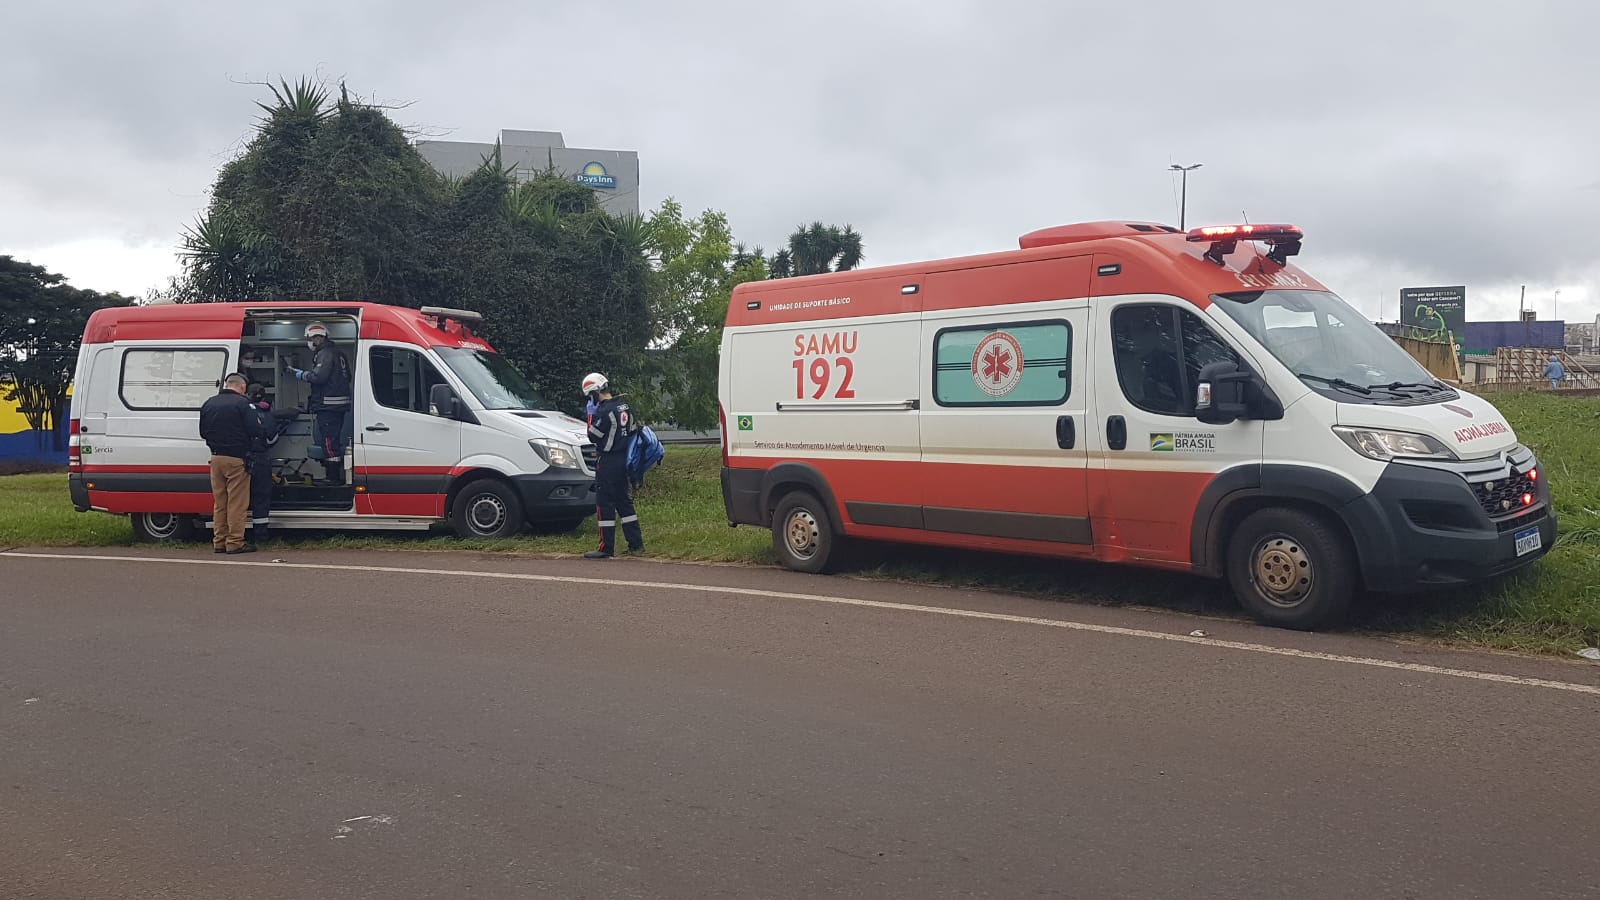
(626, 519)
(607, 523)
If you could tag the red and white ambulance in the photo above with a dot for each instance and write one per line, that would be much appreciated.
(441, 429)
(1121, 392)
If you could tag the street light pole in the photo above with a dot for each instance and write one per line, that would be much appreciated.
(1183, 205)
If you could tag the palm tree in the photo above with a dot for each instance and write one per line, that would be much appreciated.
(817, 248)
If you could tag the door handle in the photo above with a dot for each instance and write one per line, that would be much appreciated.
(378, 427)
(1117, 433)
(1066, 432)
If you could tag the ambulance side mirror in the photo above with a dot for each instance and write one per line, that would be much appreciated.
(1219, 394)
(443, 402)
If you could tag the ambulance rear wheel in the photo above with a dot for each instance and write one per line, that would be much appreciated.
(162, 528)
(802, 536)
(1292, 569)
(487, 509)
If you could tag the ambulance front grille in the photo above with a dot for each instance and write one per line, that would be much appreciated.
(591, 457)
(1504, 496)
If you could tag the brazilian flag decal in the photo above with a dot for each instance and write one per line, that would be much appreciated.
(747, 423)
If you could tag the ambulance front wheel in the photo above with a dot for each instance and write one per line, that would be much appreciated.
(1292, 569)
(802, 536)
(162, 528)
(487, 508)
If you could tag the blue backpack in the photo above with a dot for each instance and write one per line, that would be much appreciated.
(643, 455)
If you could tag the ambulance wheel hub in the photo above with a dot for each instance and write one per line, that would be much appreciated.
(802, 533)
(1283, 571)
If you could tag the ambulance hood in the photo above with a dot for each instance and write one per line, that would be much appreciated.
(541, 423)
(1468, 425)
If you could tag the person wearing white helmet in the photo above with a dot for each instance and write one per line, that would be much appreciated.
(329, 377)
(612, 427)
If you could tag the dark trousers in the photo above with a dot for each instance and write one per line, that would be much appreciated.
(330, 422)
(616, 507)
(260, 495)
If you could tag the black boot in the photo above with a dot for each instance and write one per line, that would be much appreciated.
(334, 472)
(608, 543)
(258, 534)
(635, 538)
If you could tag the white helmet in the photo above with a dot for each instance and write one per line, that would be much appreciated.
(316, 329)
(594, 383)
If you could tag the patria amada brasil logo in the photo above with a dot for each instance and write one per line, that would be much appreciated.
(595, 175)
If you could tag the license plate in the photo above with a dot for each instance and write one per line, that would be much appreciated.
(1528, 541)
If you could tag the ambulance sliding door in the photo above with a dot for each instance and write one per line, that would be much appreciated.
(1004, 396)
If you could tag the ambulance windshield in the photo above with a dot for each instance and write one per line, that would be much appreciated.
(496, 383)
(1331, 347)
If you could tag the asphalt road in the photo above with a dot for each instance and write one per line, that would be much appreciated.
(214, 729)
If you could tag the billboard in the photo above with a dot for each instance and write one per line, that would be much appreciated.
(1435, 310)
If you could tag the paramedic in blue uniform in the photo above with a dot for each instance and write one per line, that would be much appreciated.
(261, 464)
(329, 377)
(612, 427)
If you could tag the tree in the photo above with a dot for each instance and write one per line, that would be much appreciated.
(41, 324)
(696, 266)
(330, 201)
(817, 248)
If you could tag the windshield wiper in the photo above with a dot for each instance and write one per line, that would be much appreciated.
(1426, 386)
(1350, 386)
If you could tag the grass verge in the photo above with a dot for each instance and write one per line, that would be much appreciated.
(1553, 607)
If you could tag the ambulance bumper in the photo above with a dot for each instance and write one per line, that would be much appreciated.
(555, 495)
(79, 491)
(1427, 527)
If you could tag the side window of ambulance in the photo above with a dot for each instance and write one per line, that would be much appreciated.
(171, 379)
(1003, 364)
(1159, 352)
(402, 379)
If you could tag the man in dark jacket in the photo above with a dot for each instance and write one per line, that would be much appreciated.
(229, 427)
(329, 377)
(612, 427)
(261, 464)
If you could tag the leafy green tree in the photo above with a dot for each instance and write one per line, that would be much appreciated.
(41, 325)
(564, 286)
(817, 248)
(330, 201)
(696, 266)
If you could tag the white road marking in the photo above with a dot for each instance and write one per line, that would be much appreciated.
(1242, 646)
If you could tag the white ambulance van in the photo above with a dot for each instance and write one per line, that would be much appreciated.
(1121, 392)
(442, 428)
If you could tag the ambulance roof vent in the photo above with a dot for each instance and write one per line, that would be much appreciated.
(1090, 231)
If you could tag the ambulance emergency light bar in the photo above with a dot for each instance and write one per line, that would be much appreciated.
(1284, 240)
(443, 314)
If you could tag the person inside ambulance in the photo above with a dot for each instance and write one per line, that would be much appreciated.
(329, 377)
(261, 463)
(612, 427)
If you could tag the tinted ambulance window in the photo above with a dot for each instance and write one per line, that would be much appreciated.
(1005, 364)
(1159, 352)
(402, 379)
(171, 379)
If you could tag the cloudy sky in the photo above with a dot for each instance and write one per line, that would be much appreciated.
(1418, 142)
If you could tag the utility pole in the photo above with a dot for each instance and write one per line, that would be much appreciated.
(1183, 204)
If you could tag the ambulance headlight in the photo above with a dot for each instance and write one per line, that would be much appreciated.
(562, 456)
(1375, 443)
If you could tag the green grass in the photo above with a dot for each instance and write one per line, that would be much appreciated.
(1553, 607)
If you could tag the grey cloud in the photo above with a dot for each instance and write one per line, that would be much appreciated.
(1446, 141)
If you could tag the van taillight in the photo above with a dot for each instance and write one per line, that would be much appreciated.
(722, 427)
(74, 455)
